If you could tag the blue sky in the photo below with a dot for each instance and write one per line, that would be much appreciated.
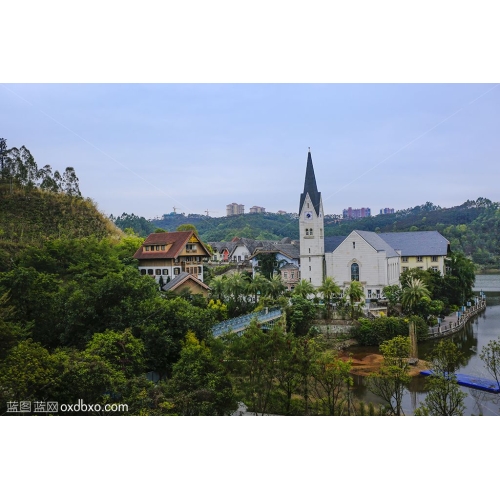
(145, 148)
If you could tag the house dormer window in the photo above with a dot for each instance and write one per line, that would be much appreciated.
(146, 248)
(353, 245)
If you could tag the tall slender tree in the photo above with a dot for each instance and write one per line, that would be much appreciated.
(329, 289)
(391, 380)
(444, 397)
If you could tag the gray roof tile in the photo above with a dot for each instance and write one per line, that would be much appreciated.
(377, 242)
(414, 243)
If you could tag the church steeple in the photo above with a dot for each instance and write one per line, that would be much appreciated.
(311, 230)
(310, 186)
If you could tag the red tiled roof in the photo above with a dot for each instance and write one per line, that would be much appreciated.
(177, 240)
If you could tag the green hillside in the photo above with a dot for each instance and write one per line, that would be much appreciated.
(30, 218)
(472, 228)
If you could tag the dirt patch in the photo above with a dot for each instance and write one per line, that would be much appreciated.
(364, 365)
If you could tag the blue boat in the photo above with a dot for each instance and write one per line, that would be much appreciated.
(482, 384)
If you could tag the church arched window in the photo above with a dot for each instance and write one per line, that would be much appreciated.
(355, 272)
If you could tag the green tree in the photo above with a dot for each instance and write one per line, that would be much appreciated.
(258, 286)
(252, 361)
(444, 397)
(27, 374)
(331, 376)
(188, 227)
(218, 287)
(199, 383)
(413, 295)
(268, 264)
(276, 287)
(288, 374)
(462, 269)
(121, 349)
(300, 315)
(236, 291)
(393, 295)
(10, 332)
(329, 289)
(307, 354)
(70, 182)
(35, 298)
(87, 376)
(490, 356)
(355, 293)
(304, 289)
(393, 377)
(219, 309)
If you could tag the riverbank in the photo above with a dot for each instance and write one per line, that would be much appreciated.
(365, 364)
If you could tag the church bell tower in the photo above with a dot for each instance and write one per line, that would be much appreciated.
(311, 227)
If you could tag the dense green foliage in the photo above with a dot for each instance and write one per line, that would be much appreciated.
(40, 216)
(139, 225)
(257, 226)
(378, 330)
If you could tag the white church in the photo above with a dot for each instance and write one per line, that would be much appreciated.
(374, 259)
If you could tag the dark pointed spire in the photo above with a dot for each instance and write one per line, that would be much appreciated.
(310, 186)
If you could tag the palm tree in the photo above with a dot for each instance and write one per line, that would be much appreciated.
(276, 286)
(355, 292)
(236, 288)
(218, 287)
(259, 284)
(304, 289)
(413, 293)
(329, 289)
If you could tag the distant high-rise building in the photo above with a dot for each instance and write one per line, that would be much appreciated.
(235, 209)
(387, 210)
(356, 213)
(257, 210)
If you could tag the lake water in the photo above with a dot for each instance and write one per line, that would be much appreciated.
(479, 331)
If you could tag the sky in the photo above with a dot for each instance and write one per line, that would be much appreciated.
(147, 148)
